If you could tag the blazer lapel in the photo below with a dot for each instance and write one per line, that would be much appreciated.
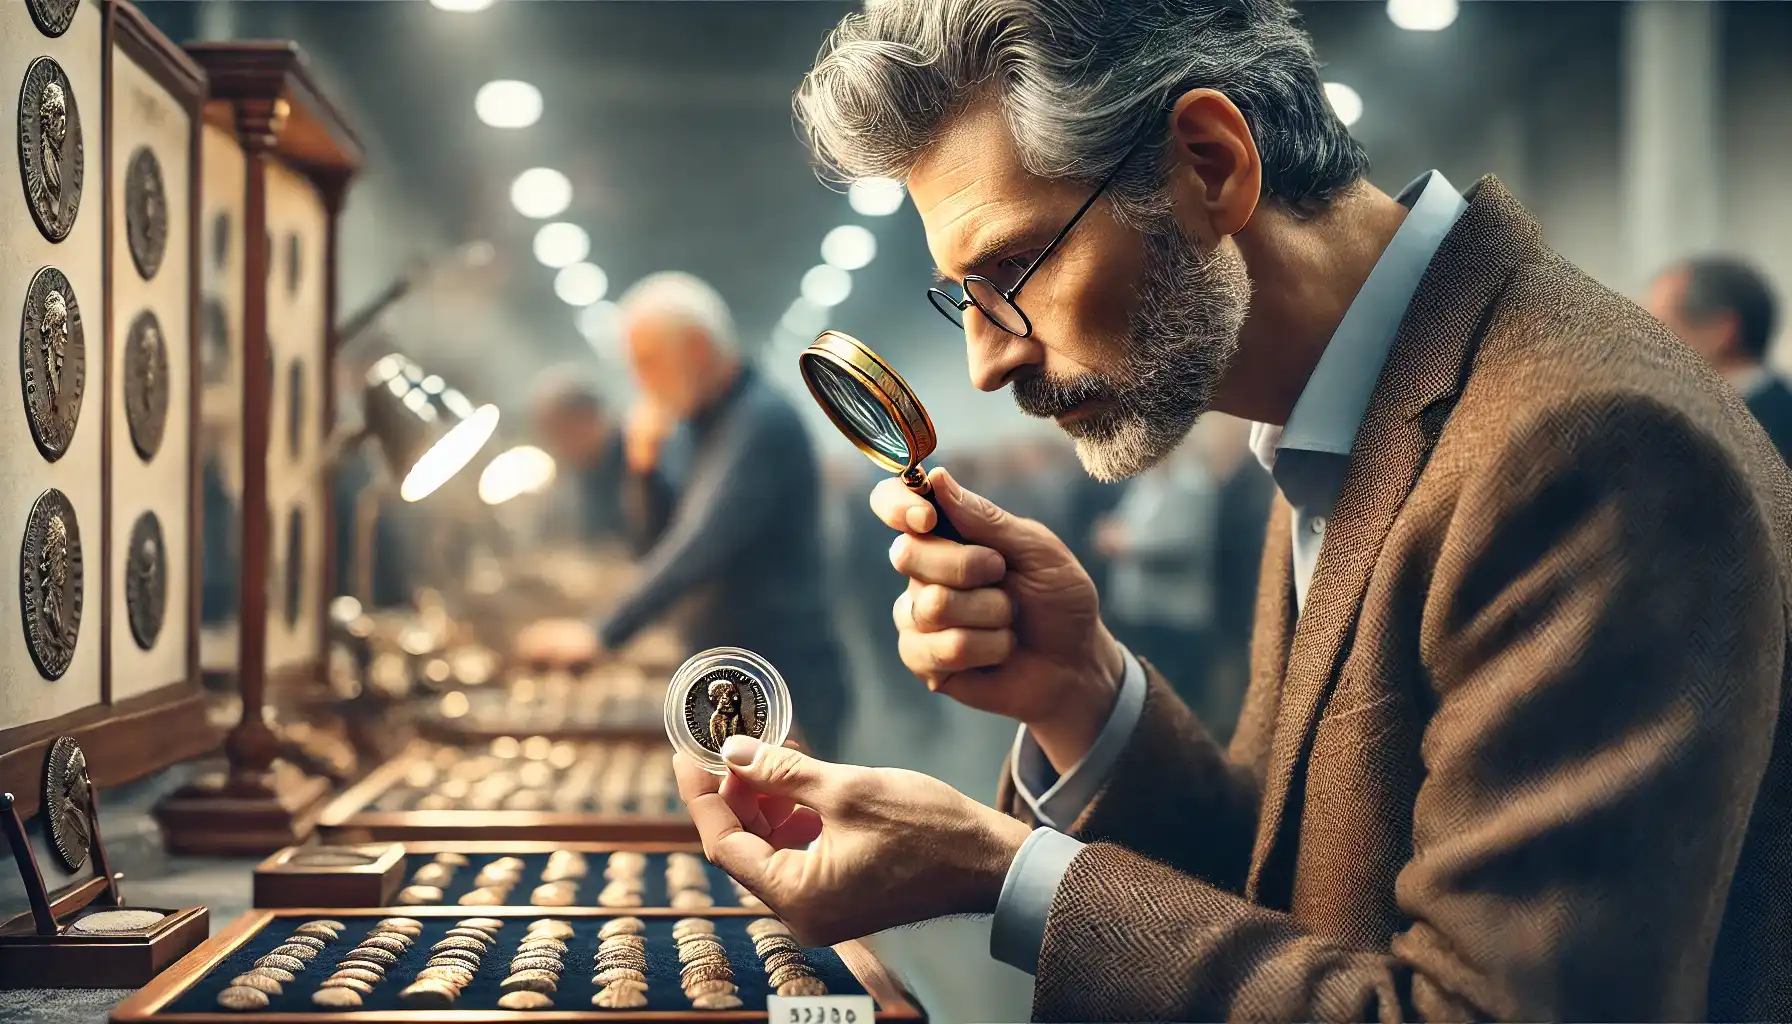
(1428, 363)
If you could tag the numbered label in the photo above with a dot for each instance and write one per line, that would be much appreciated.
(820, 1009)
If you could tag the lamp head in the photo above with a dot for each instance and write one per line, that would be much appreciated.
(426, 430)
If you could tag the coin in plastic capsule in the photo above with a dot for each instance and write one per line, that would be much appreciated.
(723, 692)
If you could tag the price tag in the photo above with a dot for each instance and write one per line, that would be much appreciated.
(820, 1009)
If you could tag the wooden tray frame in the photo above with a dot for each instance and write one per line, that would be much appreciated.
(894, 1003)
(346, 820)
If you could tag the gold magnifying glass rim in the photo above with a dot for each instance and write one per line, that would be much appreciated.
(885, 385)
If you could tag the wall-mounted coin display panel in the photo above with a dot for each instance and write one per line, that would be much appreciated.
(87, 96)
(511, 789)
(505, 965)
(280, 158)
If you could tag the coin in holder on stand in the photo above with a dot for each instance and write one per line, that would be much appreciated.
(723, 692)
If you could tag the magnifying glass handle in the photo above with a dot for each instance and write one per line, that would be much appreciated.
(942, 527)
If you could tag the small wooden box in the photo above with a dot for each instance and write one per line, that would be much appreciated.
(314, 876)
(187, 993)
(29, 960)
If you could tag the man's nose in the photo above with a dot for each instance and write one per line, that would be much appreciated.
(995, 355)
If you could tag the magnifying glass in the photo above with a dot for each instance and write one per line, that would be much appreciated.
(877, 411)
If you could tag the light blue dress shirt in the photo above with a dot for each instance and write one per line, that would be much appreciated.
(1307, 459)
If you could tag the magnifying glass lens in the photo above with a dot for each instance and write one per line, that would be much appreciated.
(858, 410)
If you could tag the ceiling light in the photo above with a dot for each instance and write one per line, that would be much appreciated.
(876, 197)
(461, 6)
(1422, 15)
(540, 193)
(1345, 102)
(561, 244)
(508, 104)
(581, 284)
(805, 319)
(826, 286)
(599, 321)
(848, 247)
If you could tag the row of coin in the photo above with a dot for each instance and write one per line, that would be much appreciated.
(610, 779)
(620, 966)
(787, 969)
(491, 887)
(687, 880)
(560, 879)
(253, 989)
(366, 965)
(624, 880)
(704, 971)
(452, 964)
(536, 967)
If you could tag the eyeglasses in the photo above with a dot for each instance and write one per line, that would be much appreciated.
(996, 303)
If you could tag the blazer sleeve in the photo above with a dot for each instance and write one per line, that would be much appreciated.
(1605, 633)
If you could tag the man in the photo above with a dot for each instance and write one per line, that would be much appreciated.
(1509, 746)
(576, 430)
(744, 541)
(1725, 311)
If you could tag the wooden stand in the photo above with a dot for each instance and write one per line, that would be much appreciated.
(284, 880)
(262, 94)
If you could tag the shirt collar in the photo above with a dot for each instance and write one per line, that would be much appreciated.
(1331, 406)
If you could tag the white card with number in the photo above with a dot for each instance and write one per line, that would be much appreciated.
(820, 1009)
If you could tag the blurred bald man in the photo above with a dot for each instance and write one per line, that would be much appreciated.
(1724, 310)
(744, 541)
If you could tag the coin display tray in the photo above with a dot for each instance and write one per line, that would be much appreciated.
(721, 887)
(189, 991)
(611, 701)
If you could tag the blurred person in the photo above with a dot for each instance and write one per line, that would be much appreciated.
(613, 503)
(742, 551)
(1514, 746)
(1725, 311)
(1161, 545)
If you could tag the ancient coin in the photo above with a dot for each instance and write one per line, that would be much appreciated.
(318, 929)
(52, 152)
(620, 997)
(259, 982)
(524, 999)
(789, 972)
(373, 954)
(707, 988)
(51, 583)
(294, 950)
(455, 956)
(52, 361)
(484, 938)
(454, 973)
(774, 943)
(806, 985)
(533, 981)
(146, 384)
(359, 974)
(420, 894)
(783, 958)
(725, 702)
(537, 962)
(117, 922)
(295, 939)
(615, 974)
(433, 874)
(430, 994)
(336, 996)
(238, 997)
(692, 899)
(484, 924)
(280, 975)
(457, 942)
(707, 970)
(694, 925)
(391, 942)
(145, 212)
(487, 897)
(53, 17)
(403, 925)
(68, 807)
(717, 1001)
(618, 926)
(541, 942)
(697, 948)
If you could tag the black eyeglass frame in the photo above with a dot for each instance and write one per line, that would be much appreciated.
(937, 297)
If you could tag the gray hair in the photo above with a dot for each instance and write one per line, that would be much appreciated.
(1078, 81)
(685, 297)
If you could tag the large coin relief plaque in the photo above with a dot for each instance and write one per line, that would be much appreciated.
(146, 580)
(52, 361)
(146, 212)
(50, 148)
(146, 384)
(50, 583)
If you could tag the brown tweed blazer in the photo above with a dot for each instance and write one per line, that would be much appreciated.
(1517, 758)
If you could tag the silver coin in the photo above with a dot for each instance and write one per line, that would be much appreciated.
(52, 361)
(336, 997)
(50, 582)
(51, 149)
(146, 581)
(726, 702)
(116, 922)
(53, 17)
(146, 384)
(146, 212)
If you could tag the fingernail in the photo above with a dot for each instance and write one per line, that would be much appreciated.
(917, 520)
(740, 751)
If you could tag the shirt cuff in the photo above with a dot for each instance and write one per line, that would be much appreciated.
(1018, 930)
(1062, 800)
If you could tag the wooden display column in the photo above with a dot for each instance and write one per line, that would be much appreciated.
(297, 157)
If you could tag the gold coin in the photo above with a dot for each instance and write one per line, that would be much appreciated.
(407, 925)
(626, 861)
(350, 983)
(277, 974)
(623, 941)
(542, 942)
(317, 929)
(708, 970)
(718, 1001)
(511, 865)
(552, 928)
(285, 963)
(533, 981)
(620, 997)
(452, 859)
(804, 986)
(774, 943)
(632, 961)
(259, 982)
(699, 948)
(691, 899)
(485, 898)
(292, 950)
(357, 964)
(460, 942)
(336, 997)
(484, 924)
(620, 900)
(239, 998)
(309, 941)
(478, 935)
(373, 954)
(618, 926)
(465, 958)
(765, 926)
(538, 962)
(329, 923)
(432, 995)
(433, 874)
(414, 895)
(789, 972)
(551, 896)
(615, 974)
(359, 974)
(694, 925)
(524, 999)
(454, 974)
(705, 988)
(392, 942)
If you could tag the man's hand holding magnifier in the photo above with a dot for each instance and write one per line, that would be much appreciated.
(1008, 623)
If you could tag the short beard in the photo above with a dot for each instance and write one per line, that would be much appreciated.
(1180, 343)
